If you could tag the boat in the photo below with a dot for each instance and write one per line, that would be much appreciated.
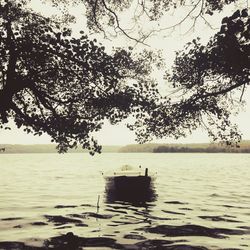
(130, 184)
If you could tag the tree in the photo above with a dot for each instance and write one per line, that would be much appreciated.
(64, 86)
(67, 86)
(206, 80)
(210, 76)
(107, 16)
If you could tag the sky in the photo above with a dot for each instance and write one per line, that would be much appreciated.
(168, 41)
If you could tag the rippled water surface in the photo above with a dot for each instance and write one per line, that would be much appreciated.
(49, 201)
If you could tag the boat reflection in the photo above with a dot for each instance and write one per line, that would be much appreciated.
(130, 195)
(130, 184)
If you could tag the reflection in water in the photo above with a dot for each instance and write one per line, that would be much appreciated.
(70, 241)
(136, 191)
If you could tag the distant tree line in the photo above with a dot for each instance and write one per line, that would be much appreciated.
(46, 148)
(167, 149)
(244, 147)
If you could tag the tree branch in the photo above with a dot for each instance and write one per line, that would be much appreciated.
(119, 27)
(242, 93)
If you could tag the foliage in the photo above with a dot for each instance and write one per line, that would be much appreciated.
(64, 86)
(209, 75)
(107, 16)
(99, 10)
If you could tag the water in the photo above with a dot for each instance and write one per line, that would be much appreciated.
(50, 200)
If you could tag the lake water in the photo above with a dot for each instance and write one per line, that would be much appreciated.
(49, 201)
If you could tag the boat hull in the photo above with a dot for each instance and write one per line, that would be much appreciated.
(132, 183)
(129, 188)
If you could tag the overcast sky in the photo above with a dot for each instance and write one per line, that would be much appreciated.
(168, 42)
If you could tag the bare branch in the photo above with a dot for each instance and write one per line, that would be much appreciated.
(183, 19)
(119, 27)
(242, 93)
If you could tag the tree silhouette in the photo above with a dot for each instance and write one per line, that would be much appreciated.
(64, 86)
(107, 16)
(210, 76)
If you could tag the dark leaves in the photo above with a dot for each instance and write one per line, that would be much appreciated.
(209, 76)
(65, 86)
